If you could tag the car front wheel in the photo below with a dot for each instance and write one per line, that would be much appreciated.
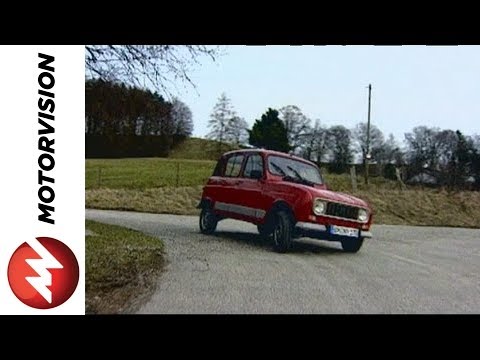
(264, 231)
(208, 221)
(352, 245)
(282, 232)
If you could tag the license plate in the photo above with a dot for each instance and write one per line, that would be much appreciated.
(343, 231)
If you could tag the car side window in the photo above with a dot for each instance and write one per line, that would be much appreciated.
(234, 165)
(254, 162)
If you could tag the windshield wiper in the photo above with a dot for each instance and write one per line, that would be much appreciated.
(300, 177)
(279, 169)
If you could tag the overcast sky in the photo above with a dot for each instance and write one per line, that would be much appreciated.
(412, 85)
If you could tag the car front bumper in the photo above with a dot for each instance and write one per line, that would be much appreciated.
(318, 231)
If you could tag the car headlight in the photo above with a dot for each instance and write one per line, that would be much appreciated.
(319, 207)
(362, 215)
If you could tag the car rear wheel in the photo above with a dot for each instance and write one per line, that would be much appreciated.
(282, 232)
(352, 245)
(208, 221)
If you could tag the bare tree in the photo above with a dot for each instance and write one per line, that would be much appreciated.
(446, 145)
(476, 160)
(236, 132)
(296, 123)
(423, 148)
(390, 152)
(221, 120)
(476, 142)
(182, 118)
(156, 66)
(340, 138)
(315, 143)
(376, 141)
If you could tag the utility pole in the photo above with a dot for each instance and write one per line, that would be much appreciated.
(367, 155)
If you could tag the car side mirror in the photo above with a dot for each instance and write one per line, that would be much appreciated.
(256, 174)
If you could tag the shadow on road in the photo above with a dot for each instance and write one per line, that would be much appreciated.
(299, 246)
(316, 248)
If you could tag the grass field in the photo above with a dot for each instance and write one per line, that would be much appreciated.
(146, 173)
(150, 173)
(120, 265)
(150, 185)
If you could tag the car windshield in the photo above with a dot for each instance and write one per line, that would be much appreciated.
(279, 165)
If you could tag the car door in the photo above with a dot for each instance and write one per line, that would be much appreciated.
(227, 203)
(249, 189)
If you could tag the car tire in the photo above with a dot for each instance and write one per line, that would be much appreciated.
(208, 221)
(352, 245)
(282, 232)
(264, 231)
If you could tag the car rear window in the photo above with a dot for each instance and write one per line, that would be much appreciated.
(234, 165)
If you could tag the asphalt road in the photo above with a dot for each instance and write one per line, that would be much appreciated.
(402, 269)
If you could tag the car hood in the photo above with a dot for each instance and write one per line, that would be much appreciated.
(330, 195)
(338, 197)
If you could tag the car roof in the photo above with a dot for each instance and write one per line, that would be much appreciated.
(268, 152)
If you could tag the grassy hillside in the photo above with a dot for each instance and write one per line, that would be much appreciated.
(149, 185)
(424, 207)
(199, 149)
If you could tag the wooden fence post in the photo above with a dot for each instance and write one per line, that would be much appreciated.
(399, 178)
(178, 174)
(99, 177)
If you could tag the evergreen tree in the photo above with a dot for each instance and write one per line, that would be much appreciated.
(269, 132)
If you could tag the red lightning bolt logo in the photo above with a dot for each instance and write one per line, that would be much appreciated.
(43, 273)
(41, 266)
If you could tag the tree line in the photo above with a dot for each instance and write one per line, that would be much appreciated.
(127, 121)
(123, 120)
(429, 154)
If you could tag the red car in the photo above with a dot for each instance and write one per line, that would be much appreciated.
(285, 196)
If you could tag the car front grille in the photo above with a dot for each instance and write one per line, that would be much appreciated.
(342, 211)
